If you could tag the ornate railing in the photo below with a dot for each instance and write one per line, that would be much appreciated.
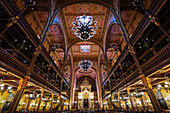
(139, 30)
(11, 61)
(14, 10)
(162, 56)
(156, 62)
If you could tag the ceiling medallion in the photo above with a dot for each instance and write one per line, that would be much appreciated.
(85, 64)
(84, 29)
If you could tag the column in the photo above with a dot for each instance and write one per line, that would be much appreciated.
(60, 99)
(52, 98)
(110, 93)
(28, 104)
(148, 87)
(99, 90)
(143, 105)
(136, 105)
(20, 91)
(44, 108)
(146, 104)
(127, 107)
(40, 98)
(136, 60)
(119, 100)
(128, 92)
(145, 81)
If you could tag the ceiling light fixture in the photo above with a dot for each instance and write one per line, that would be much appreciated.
(84, 29)
(85, 64)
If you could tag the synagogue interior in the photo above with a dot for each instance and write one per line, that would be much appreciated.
(87, 56)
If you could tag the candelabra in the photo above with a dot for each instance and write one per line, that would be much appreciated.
(84, 29)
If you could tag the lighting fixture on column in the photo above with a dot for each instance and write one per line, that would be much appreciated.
(123, 98)
(33, 95)
(84, 28)
(85, 64)
(137, 94)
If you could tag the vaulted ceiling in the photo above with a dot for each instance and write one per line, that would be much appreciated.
(61, 32)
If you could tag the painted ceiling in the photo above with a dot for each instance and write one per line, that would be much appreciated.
(98, 13)
(94, 49)
(61, 31)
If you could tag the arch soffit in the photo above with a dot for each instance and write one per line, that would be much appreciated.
(100, 2)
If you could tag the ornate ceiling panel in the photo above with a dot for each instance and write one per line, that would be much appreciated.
(99, 20)
(114, 35)
(84, 9)
(41, 16)
(127, 15)
(114, 30)
(55, 35)
(94, 49)
(96, 11)
(54, 30)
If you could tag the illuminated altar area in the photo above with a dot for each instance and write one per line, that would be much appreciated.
(85, 97)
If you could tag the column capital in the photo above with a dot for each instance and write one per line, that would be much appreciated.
(20, 84)
(13, 20)
(146, 81)
(37, 50)
(154, 20)
(149, 82)
(128, 91)
(131, 49)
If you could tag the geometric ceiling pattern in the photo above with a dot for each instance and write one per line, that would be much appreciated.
(56, 35)
(77, 51)
(96, 11)
(114, 35)
(99, 13)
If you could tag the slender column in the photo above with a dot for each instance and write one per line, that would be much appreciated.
(143, 105)
(40, 98)
(23, 106)
(119, 100)
(44, 108)
(146, 83)
(146, 104)
(148, 87)
(110, 92)
(34, 104)
(52, 98)
(28, 104)
(135, 103)
(98, 84)
(127, 107)
(20, 91)
(136, 60)
(60, 99)
(128, 92)
(72, 89)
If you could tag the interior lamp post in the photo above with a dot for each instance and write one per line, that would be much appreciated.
(84, 28)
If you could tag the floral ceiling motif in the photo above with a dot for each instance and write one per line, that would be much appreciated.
(96, 11)
(54, 30)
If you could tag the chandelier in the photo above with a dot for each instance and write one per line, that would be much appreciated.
(85, 64)
(84, 29)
